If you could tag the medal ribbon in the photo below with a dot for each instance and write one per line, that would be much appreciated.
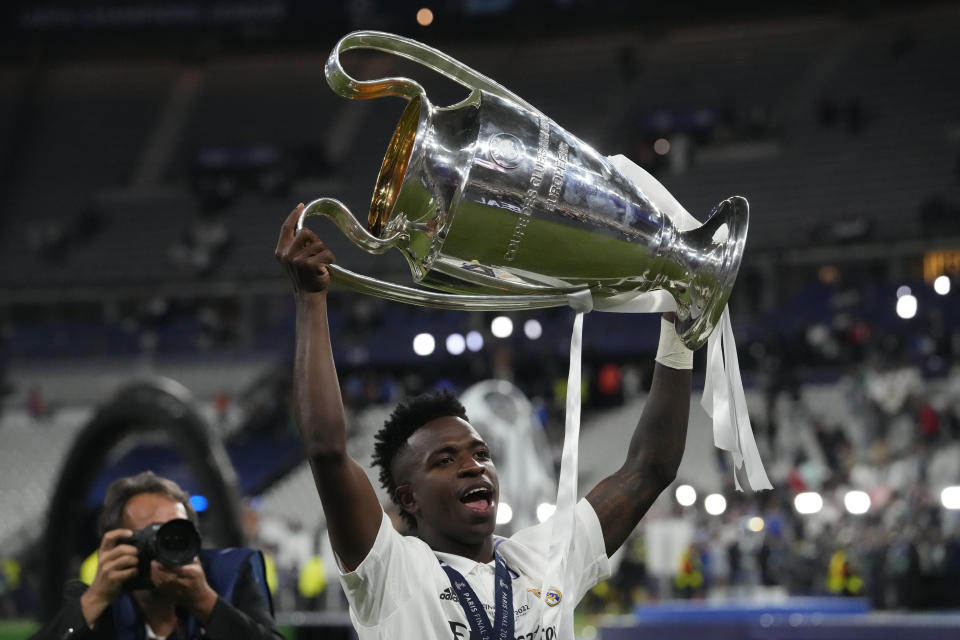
(472, 607)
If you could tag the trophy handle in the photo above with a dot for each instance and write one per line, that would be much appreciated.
(341, 216)
(434, 300)
(349, 87)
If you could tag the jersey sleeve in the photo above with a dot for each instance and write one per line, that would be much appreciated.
(589, 550)
(382, 582)
(588, 558)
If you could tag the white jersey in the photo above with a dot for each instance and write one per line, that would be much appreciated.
(401, 591)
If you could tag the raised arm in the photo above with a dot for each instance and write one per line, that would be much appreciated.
(350, 504)
(656, 447)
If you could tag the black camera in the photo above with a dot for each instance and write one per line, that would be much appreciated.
(173, 543)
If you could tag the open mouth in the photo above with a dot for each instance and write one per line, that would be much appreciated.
(478, 500)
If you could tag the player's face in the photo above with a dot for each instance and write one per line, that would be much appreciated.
(453, 487)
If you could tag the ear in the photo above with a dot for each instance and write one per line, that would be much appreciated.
(407, 499)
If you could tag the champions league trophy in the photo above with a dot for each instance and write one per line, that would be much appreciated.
(492, 202)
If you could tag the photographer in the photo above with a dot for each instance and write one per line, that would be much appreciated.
(213, 594)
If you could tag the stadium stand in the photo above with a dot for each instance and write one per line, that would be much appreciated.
(141, 198)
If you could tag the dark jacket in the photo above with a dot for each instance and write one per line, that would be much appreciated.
(243, 611)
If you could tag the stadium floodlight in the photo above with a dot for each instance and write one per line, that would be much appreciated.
(942, 285)
(474, 341)
(501, 327)
(857, 502)
(808, 502)
(532, 329)
(715, 504)
(545, 510)
(686, 495)
(950, 497)
(424, 344)
(906, 306)
(755, 524)
(504, 513)
(456, 344)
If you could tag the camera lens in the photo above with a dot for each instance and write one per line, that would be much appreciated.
(177, 542)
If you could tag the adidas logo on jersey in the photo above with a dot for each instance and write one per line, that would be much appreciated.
(448, 594)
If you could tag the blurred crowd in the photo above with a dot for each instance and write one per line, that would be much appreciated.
(858, 508)
(894, 435)
(887, 429)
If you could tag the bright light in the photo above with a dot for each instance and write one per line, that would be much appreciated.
(424, 17)
(906, 306)
(474, 341)
(686, 495)
(942, 285)
(504, 513)
(545, 510)
(808, 502)
(424, 344)
(199, 503)
(903, 290)
(456, 344)
(950, 497)
(715, 504)
(532, 329)
(661, 147)
(857, 502)
(755, 524)
(501, 327)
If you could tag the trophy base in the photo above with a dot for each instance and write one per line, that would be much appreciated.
(719, 263)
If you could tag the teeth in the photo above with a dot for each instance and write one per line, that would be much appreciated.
(480, 492)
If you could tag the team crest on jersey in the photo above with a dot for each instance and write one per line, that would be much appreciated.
(553, 596)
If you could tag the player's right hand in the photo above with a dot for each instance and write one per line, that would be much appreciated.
(303, 255)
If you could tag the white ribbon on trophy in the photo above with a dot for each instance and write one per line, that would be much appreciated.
(723, 399)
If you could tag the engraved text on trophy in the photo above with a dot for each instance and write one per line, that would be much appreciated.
(536, 179)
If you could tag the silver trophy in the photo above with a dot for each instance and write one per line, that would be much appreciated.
(492, 202)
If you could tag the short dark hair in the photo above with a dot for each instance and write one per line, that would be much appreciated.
(407, 417)
(122, 489)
